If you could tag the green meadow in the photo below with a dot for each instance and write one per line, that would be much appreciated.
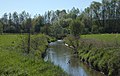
(15, 62)
(103, 37)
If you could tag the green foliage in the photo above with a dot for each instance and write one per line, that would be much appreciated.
(51, 39)
(1, 28)
(76, 27)
(71, 41)
(38, 44)
(57, 30)
(97, 18)
(37, 23)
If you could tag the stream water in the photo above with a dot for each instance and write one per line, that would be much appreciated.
(62, 56)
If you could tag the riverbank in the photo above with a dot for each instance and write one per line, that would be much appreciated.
(14, 61)
(101, 52)
(62, 56)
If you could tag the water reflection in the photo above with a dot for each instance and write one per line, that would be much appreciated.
(62, 56)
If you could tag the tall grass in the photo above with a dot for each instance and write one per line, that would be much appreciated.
(101, 52)
(14, 63)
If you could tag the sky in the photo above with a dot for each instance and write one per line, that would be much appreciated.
(40, 6)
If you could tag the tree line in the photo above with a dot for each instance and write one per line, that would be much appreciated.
(99, 17)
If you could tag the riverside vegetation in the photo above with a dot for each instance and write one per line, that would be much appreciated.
(15, 62)
(100, 51)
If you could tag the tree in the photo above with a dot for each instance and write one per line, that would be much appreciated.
(4, 20)
(25, 25)
(29, 26)
(11, 27)
(96, 9)
(46, 29)
(22, 18)
(87, 19)
(38, 23)
(56, 30)
(47, 17)
(74, 13)
(1, 27)
(16, 21)
(76, 28)
(65, 22)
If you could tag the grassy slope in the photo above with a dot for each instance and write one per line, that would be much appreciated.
(102, 52)
(14, 63)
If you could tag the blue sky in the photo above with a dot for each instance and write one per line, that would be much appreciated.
(40, 6)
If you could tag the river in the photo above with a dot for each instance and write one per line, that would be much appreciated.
(62, 56)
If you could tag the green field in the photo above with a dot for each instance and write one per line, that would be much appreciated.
(102, 40)
(100, 51)
(104, 37)
(14, 62)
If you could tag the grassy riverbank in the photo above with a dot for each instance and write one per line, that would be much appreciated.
(15, 62)
(101, 52)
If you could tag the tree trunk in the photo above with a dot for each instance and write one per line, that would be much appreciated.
(28, 50)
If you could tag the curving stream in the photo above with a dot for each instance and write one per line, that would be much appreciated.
(62, 56)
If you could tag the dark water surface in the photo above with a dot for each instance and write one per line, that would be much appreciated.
(62, 56)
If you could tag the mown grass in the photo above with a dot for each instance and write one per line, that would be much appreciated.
(104, 37)
(111, 38)
(13, 62)
(103, 40)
